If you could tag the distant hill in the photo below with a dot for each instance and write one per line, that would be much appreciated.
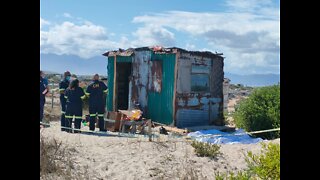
(74, 64)
(50, 72)
(253, 79)
(53, 64)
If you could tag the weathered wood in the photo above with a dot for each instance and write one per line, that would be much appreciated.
(114, 83)
(133, 125)
(149, 130)
(114, 119)
(175, 88)
(176, 130)
(172, 129)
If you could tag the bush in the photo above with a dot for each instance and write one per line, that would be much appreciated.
(206, 149)
(241, 175)
(263, 166)
(260, 111)
(267, 164)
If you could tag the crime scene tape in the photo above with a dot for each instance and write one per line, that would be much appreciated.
(239, 134)
(95, 132)
(133, 135)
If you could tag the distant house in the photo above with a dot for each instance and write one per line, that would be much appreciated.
(173, 86)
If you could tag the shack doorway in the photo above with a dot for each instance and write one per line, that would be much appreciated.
(122, 82)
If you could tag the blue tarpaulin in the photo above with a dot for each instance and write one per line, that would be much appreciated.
(218, 137)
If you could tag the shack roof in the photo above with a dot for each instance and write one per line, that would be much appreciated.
(161, 50)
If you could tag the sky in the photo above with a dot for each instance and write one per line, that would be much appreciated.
(247, 32)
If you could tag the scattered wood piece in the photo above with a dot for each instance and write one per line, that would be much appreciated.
(149, 130)
(176, 130)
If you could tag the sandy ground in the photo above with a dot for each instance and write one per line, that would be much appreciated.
(106, 157)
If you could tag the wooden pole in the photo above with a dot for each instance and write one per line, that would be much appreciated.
(51, 96)
(114, 82)
(149, 130)
(174, 123)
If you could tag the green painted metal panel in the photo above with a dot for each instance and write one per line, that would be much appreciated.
(110, 83)
(160, 107)
(124, 59)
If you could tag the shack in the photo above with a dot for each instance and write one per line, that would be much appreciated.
(173, 86)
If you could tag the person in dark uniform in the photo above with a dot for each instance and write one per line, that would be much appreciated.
(44, 89)
(96, 91)
(74, 95)
(64, 84)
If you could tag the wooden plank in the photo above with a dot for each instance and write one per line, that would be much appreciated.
(114, 83)
(175, 89)
(172, 129)
(113, 120)
(149, 130)
(176, 130)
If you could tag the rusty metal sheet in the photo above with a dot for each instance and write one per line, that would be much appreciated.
(150, 83)
(160, 105)
(155, 76)
(140, 71)
(184, 74)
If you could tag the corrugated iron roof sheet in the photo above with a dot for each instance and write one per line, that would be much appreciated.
(160, 50)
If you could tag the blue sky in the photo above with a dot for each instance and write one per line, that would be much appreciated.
(247, 32)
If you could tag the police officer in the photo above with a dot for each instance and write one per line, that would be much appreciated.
(44, 89)
(96, 91)
(64, 84)
(74, 95)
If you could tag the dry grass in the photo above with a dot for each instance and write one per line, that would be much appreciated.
(56, 161)
(52, 158)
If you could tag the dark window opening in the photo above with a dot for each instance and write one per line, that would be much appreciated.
(200, 81)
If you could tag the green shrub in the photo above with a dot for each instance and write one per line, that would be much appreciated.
(206, 149)
(241, 175)
(263, 166)
(267, 164)
(260, 111)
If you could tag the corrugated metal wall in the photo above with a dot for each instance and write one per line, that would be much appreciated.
(160, 107)
(198, 108)
(110, 83)
(196, 111)
(192, 108)
(124, 59)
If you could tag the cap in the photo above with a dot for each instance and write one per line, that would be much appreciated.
(67, 73)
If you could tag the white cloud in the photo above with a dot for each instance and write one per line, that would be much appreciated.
(248, 34)
(84, 39)
(43, 22)
(190, 46)
(247, 5)
(153, 35)
(67, 15)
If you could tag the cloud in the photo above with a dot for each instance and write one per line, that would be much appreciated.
(190, 46)
(248, 33)
(153, 35)
(248, 5)
(43, 23)
(84, 39)
(67, 15)
(249, 42)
